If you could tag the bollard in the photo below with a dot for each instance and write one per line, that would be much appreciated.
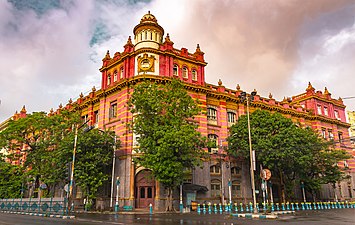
(215, 208)
(287, 205)
(241, 207)
(272, 207)
(297, 206)
(302, 204)
(220, 208)
(236, 207)
(198, 209)
(251, 207)
(277, 207)
(283, 206)
(150, 208)
(209, 208)
(292, 206)
(204, 208)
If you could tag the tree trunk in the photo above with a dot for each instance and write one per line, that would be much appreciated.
(169, 200)
(282, 184)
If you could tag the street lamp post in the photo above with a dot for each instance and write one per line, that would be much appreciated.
(251, 153)
(113, 171)
(303, 192)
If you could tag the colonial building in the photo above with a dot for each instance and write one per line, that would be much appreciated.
(150, 54)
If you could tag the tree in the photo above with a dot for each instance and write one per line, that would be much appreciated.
(37, 137)
(291, 152)
(11, 180)
(93, 161)
(168, 137)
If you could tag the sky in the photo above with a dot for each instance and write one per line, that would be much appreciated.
(51, 51)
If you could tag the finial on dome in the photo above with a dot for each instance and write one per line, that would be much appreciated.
(70, 101)
(270, 95)
(60, 106)
(238, 87)
(219, 82)
(81, 95)
(326, 92)
(51, 111)
(93, 89)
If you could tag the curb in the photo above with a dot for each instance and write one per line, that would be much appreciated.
(254, 216)
(40, 215)
(283, 212)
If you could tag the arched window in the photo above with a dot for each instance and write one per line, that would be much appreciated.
(146, 36)
(215, 169)
(175, 70)
(109, 79)
(211, 114)
(184, 72)
(194, 75)
(115, 76)
(121, 72)
(236, 192)
(231, 118)
(215, 188)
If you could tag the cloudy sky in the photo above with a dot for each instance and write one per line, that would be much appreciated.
(51, 51)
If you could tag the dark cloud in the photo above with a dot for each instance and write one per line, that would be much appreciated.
(52, 50)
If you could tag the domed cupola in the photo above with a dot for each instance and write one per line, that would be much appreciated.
(148, 33)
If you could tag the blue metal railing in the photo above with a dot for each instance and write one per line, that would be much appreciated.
(47, 206)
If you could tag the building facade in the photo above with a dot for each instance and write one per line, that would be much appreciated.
(151, 55)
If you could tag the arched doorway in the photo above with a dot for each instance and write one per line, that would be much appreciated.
(145, 189)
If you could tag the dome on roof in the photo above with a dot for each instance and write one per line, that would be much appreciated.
(148, 33)
(149, 18)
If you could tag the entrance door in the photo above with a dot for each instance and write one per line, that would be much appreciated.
(145, 189)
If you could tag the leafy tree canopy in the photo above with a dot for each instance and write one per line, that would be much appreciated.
(168, 138)
(288, 150)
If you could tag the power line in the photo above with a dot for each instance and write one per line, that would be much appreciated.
(348, 97)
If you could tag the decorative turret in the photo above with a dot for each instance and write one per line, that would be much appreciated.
(199, 54)
(106, 59)
(310, 88)
(148, 33)
(129, 47)
(23, 112)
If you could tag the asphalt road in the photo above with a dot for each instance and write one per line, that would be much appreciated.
(323, 217)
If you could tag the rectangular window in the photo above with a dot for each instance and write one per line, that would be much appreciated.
(323, 133)
(336, 113)
(319, 109)
(231, 118)
(325, 111)
(194, 75)
(113, 110)
(115, 76)
(175, 70)
(96, 117)
(340, 136)
(85, 118)
(331, 135)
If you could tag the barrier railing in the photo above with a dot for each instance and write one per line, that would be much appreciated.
(270, 208)
(46, 206)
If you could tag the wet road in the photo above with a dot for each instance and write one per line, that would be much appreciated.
(323, 217)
